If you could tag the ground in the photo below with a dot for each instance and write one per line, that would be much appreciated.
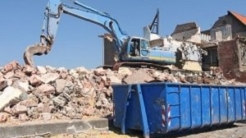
(238, 130)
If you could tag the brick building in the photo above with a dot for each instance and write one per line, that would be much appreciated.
(226, 28)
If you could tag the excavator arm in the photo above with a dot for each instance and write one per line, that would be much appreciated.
(52, 16)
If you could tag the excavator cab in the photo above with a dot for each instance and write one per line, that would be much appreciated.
(136, 51)
(138, 47)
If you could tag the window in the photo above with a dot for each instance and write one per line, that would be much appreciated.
(144, 44)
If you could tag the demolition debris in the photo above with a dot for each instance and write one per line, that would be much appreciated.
(45, 93)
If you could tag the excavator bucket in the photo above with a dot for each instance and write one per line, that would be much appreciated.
(34, 50)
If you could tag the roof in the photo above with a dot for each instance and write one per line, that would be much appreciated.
(185, 27)
(240, 17)
(207, 32)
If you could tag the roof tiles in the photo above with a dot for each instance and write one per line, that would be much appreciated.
(240, 17)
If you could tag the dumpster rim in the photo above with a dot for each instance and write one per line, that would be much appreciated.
(183, 84)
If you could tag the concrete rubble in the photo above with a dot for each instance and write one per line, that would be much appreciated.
(45, 93)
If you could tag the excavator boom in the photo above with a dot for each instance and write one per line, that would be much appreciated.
(128, 50)
(53, 13)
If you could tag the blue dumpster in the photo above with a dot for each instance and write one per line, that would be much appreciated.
(166, 107)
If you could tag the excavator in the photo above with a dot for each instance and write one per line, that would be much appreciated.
(129, 50)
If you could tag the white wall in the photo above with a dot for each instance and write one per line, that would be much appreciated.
(193, 35)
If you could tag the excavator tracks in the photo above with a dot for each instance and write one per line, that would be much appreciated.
(117, 65)
(171, 69)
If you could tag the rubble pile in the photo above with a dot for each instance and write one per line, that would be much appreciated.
(45, 93)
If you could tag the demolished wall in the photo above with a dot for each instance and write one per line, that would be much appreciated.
(188, 54)
(189, 32)
(231, 56)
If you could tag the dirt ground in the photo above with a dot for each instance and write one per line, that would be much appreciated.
(238, 130)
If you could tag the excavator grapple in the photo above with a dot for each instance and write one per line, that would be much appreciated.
(32, 50)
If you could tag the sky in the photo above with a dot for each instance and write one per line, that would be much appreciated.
(77, 42)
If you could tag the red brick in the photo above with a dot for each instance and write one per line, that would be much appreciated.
(228, 60)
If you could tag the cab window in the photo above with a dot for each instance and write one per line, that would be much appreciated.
(144, 44)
